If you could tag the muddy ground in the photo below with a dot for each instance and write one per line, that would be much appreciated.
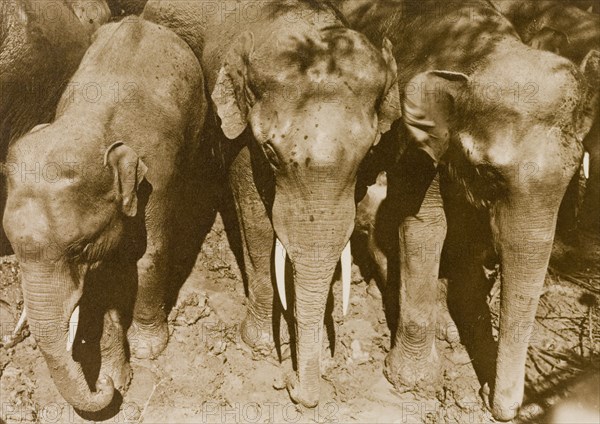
(206, 375)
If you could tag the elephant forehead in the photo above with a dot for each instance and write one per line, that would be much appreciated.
(537, 85)
(335, 55)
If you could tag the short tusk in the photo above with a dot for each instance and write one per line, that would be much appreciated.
(280, 257)
(586, 165)
(346, 260)
(20, 323)
(73, 324)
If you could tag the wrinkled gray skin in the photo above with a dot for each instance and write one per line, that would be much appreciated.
(94, 208)
(572, 33)
(304, 98)
(514, 155)
(41, 45)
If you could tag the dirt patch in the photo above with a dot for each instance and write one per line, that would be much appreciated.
(207, 374)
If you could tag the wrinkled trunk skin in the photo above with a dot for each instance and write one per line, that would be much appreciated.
(523, 229)
(312, 284)
(314, 233)
(49, 307)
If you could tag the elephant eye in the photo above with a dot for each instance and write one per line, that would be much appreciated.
(271, 154)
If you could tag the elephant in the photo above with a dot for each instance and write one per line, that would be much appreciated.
(573, 33)
(96, 201)
(300, 100)
(42, 44)
(505, 123)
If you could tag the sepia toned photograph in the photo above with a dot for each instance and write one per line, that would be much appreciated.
(300, 211)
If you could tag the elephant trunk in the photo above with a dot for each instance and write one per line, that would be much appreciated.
(312, 284)
(314, 234)
(48, 312)
(523, 227)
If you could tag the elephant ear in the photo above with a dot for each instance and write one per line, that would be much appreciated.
(590, 67)
(428, 105)
(550, 39)
(129, 171)
(231, 95)
(389, 107)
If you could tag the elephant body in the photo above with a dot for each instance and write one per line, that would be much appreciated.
(94, 200)
(504, 123)
(573, 33)
(300, 99)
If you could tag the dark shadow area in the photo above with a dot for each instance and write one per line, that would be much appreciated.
(386, 237)
(126, 7)
(466, 251)
(566, 226)
(278, 315)
(107, 413)
(5, 247)
(232, 228)
(384, 229)
(288, 314)
(201, 200)
(328, 320)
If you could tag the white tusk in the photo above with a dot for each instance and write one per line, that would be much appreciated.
(20, 323)
(280, 257)
(346, 259)
(73, 324)
(586, 165)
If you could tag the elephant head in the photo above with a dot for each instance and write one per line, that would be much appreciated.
(315, 105)
(67, 210)
(513, 131)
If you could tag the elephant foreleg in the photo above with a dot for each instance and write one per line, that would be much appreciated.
(257, 236)
(115, 363)
(412, 362)
(149, 334)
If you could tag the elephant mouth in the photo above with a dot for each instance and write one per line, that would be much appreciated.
(280, 256)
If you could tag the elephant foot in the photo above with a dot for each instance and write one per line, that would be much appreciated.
(501, 411)
(446, 330)
(302, 397)
(147, 341)
(121, 375)
(408, 374)
(259, 337)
